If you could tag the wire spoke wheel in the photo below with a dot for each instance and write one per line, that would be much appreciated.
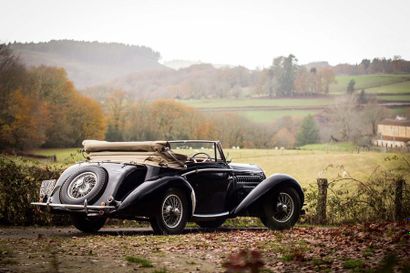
(82, 185)
(172, 210)
(284, 208)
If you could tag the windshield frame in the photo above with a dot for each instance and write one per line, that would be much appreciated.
(216, 146)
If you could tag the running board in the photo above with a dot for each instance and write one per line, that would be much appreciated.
(206, 216)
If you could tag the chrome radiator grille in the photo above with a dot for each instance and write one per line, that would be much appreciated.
(248, 181)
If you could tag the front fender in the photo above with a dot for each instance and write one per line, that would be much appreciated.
(265, 186)
(150, 187)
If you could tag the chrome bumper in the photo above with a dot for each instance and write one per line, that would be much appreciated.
(76, 208)
(69, 206)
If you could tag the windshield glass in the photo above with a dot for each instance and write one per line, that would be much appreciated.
(197, 150)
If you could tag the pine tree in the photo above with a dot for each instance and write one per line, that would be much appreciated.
(308, 132)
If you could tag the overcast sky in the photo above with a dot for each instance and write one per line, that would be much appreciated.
(248, 33)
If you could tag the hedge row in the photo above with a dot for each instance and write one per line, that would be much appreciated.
(20, 181)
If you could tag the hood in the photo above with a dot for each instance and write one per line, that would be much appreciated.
(245, 167)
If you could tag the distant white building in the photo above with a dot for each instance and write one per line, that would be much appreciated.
(393, 133)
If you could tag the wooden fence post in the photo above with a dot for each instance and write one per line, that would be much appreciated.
(322, 199)
(398, 199)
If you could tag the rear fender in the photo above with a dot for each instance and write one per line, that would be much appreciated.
(264, 187)
(151, 187)
(116, 174)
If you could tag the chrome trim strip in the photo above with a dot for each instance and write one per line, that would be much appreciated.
(192, 141)
(193, 200)
(211, 215)
(218, 170)
(69, 206)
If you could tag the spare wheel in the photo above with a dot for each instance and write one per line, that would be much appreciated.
(87, 182)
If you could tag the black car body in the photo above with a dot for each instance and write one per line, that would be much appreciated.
(169, 183)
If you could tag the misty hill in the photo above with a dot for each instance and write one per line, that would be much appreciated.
(196, 81)
(178, 64)
(89, 63)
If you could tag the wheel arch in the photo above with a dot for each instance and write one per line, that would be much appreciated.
(267, 186)
(150, 189)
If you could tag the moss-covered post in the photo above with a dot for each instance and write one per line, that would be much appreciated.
(322, 200)
(398, 199)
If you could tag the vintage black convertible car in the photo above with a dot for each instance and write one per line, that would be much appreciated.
(169, 183)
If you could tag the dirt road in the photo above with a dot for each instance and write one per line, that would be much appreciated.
(302, 249)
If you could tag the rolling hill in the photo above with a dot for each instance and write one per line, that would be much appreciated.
(89, 63)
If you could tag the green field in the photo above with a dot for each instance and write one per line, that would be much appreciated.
(270, 116)
(398, 98)
(378, 83)
(264, 110)
(305, 165)
(241, 103)
(401, 87)
(62, 154)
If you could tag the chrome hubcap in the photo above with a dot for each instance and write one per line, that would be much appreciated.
(82, 185)
(284, 208)
(172, 211)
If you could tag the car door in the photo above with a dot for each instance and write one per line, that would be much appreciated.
(211, 188)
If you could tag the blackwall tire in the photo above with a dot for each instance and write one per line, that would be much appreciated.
(87, 182)
(282, 209)
(171, 214)
(214, 224)
(87, 224)
(263, 220)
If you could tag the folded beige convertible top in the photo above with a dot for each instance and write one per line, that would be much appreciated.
(136, 146)
(154, 153)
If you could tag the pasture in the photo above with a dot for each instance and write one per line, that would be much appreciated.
(267, 117)
(248, 103)
(377, 83)
(264, 110)
(398, 88)
(387, 87)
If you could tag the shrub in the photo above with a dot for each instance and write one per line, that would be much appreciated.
(351, 200)
(20, 182)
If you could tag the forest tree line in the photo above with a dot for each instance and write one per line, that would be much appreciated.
(395, 65)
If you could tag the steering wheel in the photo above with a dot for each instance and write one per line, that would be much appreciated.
(208, 157)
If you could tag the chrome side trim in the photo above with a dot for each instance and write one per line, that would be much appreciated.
(69, 206)
(211, 215)
(218, 170)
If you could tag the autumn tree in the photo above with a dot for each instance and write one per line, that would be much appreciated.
(22, 113)
(327, 78)
(117, 111)
(41, 107)
(302, 81)
(371, 114)
(284, 138)
(344, 118)
(87, 119)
